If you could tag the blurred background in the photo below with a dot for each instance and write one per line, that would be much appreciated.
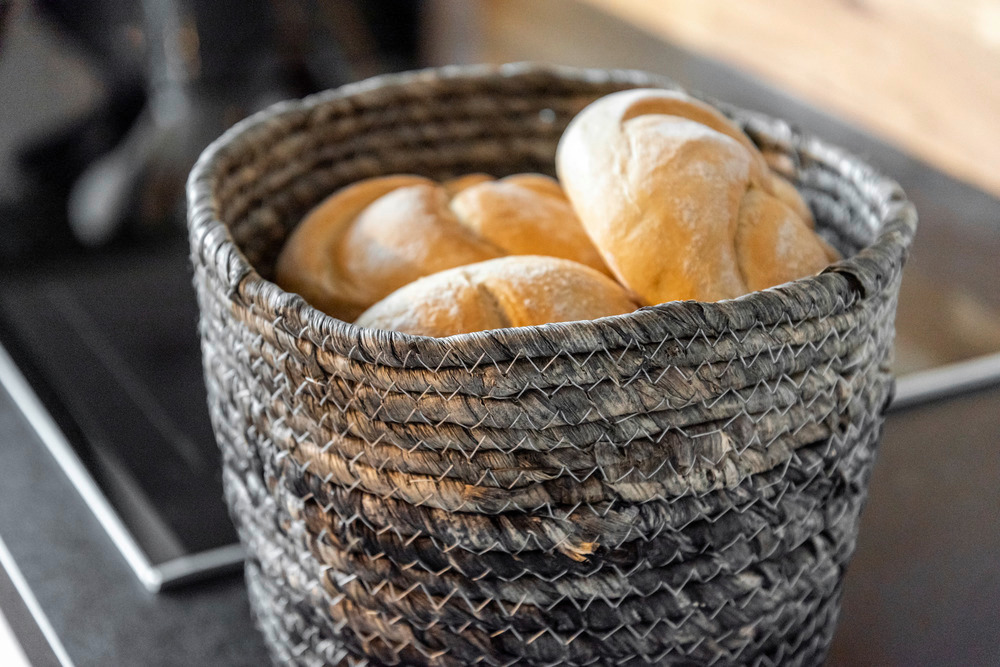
(105, 105)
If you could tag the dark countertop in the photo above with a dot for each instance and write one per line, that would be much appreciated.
(98, 609)
(924, 587)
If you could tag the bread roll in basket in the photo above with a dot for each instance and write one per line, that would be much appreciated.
(679, 201)
(378, 235)
(512, 291)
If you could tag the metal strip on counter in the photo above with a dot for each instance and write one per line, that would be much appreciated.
(154, 577)
(944, 381)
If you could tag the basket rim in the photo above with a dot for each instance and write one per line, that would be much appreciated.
(835, 289)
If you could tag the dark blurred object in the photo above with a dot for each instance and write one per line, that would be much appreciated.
(174, 75)
(207, 65)
(50, 167)
(5, 10)
(107, 34)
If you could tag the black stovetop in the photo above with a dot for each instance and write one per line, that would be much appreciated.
(108, 344)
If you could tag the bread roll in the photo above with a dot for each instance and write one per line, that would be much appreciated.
(527, 214)
(661, 181)
(405, 234)
(769, 228)
(373, 237)
(513, 291)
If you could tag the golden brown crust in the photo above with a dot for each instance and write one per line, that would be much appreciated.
(773, 244)
(658, 181)
(660, 199)
(307, 263)
(455, 185)
(786, 192)
(373, 237)
(403, 235)
(527, 214)
(540, 183)
(656, 102)
(513, 291)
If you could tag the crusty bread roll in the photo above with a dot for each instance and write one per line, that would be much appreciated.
(513, 291)
(664, 185)
(527, 214)
(373, 237)
(769, 228)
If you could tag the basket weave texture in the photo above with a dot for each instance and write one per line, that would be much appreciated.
(678, 485)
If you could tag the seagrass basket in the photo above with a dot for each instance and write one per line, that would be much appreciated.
(679, 485)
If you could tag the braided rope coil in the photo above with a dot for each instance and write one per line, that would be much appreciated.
(678, 485)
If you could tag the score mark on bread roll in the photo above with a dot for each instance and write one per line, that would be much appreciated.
(660, 181)
(404, 235)
(527, 214)
(309, 261)
(513, 291)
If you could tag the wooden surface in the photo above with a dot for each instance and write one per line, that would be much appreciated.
(923, 74)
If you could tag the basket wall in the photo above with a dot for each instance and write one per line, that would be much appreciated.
(679, 485)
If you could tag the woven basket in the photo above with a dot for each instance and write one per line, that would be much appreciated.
(679, 485)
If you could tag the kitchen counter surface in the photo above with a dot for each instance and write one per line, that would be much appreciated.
(89, 597)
